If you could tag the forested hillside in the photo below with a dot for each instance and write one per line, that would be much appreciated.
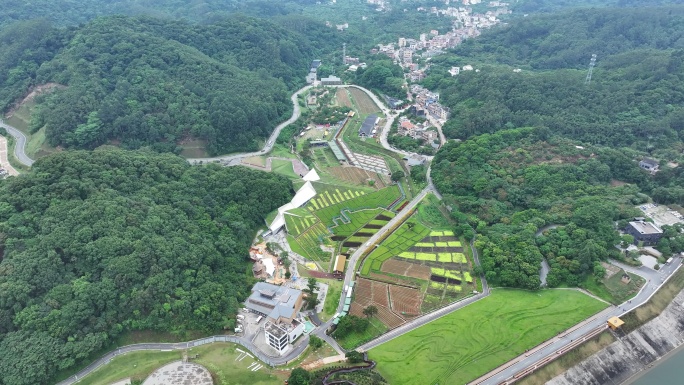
(635, 98)
(512, 183)
(143, 81)
(99, 243)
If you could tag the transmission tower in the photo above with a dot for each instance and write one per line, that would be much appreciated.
(344, 52)
(592, 63)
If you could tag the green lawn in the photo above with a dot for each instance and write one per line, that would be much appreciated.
(353, 340)
(467, 343)
(219, 358)
(136, 365)
(283, 167)
(612, 289)
(332, 299)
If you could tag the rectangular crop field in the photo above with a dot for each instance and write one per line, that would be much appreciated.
(467, 343)
(365, 104)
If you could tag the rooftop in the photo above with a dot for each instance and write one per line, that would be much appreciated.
(274, 301)
(367, 125)
(646, 227)
(274, 329)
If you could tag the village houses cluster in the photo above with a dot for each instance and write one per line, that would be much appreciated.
(427, 104)
(466, 24)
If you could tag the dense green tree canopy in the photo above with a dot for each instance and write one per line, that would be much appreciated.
(98, 243)
(511, 184)
(635, 97)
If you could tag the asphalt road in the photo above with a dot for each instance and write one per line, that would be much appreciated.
(232, 159)
(20, 144)
(560, 343)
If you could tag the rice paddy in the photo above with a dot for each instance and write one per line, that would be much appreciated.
(467, 343)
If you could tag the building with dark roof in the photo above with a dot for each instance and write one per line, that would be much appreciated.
(367, 126)
(280, 304)
(645, 232)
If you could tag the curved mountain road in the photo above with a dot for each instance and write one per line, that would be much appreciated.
(233, 159)
(20, 145)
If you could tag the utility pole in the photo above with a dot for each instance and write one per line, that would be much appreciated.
(592, 63)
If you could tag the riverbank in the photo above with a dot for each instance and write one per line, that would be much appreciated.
(636, 352)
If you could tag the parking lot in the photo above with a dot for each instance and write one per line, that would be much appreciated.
(661, 214)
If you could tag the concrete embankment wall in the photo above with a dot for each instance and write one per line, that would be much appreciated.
(632, 353)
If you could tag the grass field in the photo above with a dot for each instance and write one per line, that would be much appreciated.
(467, 343)
(353, 340)
(332, 299)
(136, 365)
(219, 358)
(612, 289)
(283, 167)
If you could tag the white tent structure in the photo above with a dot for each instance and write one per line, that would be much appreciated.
(268, 266)
(312, 176)
(303, 195)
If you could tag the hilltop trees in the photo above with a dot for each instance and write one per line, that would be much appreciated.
(99, 243)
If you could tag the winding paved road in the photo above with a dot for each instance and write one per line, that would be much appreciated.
(233, 159)
(20, 145)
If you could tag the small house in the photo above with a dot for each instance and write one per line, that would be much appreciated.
(648, 164)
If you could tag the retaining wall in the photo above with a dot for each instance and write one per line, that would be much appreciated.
(631, 353)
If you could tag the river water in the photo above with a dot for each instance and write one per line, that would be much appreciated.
(668, 370)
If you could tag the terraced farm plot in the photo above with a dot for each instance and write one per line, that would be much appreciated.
(406, 269)
(467, 343)
(404, 300)
(378, 199)
(309, 242)
(401, 240)
(358, 176)
(358, 220)
(298, 221)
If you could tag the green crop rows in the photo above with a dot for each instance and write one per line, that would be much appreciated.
(298, 221)
(444, 233)
(358, 220)
(378, 199)
(469, 342)
(401, 240)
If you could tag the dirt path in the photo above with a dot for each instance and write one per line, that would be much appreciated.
(4, 161)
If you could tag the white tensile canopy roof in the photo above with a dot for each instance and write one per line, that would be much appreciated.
(304, 195)
(301, 197)
(269, 266)
(312, 176)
